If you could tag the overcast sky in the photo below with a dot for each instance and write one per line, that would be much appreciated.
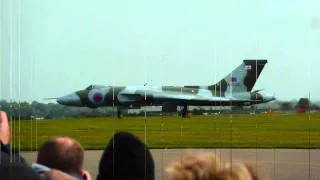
(51, 48)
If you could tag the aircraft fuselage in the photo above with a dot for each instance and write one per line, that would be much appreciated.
(137, 96)
(235, 89)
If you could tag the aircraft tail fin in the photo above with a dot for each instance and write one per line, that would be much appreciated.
(241, 79)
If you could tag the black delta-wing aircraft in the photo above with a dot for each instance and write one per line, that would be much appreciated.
(233, 90)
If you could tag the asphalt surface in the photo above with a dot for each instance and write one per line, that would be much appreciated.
(275, 164)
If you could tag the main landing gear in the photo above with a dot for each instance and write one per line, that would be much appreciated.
(119, 113)
(184, 111)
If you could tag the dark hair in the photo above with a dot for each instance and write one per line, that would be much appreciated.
(126, 157)
(66, 155)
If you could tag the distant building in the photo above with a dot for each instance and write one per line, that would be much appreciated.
(36, 118)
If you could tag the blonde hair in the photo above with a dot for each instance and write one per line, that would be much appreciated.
(194, 166)
(208, 166)
(235, 171)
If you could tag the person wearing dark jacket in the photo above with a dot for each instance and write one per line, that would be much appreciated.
(13, 166)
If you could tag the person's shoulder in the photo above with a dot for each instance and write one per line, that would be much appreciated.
(18, 171)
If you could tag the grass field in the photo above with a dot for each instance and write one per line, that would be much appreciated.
(236, 131)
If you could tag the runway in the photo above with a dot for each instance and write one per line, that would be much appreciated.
(277, 164)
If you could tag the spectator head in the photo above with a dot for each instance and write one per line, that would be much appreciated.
(194, 166)
(208, 166)
(236, 171)
(62, 153)
(126, 157)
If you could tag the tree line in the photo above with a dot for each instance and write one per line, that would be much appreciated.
(26, 111)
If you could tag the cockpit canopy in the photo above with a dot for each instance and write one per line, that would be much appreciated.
(95, 87)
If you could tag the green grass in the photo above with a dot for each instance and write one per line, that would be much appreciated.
(236, 131)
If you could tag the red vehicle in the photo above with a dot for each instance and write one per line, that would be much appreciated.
(301, 110)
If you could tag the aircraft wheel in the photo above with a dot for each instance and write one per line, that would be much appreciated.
(185, 111)
(119, 114)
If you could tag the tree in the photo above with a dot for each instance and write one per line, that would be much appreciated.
(303, 103)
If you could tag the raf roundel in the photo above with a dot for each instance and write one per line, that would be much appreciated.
(97, 97)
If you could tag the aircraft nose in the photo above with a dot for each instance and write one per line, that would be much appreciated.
(70, 99)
